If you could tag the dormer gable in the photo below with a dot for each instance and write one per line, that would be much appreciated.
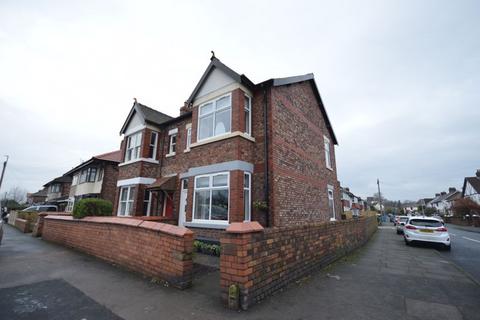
(140, 116)
(218, 79)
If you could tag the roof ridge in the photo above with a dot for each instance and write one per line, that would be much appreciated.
(106, 153)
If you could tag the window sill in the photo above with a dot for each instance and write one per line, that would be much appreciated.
(329, 168)
(223, 137)
(207, 225)
(138, 160)
(186, 150)
(170, 155)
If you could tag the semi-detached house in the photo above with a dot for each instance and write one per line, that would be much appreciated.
(237, 152)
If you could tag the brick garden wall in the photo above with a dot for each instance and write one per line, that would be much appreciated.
(154, 249)
(262, 261)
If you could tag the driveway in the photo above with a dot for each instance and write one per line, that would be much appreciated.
(384, 280)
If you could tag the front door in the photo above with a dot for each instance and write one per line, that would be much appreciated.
(183, 201)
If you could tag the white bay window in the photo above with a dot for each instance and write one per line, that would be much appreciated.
(134, 142)
(127, 195)
(211, 198)
(215, 117)
(247, 186)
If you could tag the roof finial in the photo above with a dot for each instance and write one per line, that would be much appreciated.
(135, 100)
(213, 55)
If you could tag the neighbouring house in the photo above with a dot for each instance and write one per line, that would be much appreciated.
(424, 202)
(347, 199)
(450, 200)
(57, 191)
(38, 197)
(471, 187)
(237, 152)
(95, 178)
(440, 203)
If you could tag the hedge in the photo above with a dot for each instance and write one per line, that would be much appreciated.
(92, 207)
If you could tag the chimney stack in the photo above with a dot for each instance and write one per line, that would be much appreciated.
(443, 193)
(185, 108)
(348, 189)
(478, 173)
(451, 190)
(437, 194)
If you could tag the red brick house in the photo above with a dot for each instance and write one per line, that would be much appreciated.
(57, 191)
(95, 178)
(238, 151)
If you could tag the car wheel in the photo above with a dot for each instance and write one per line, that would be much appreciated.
(447, 248)
(398, 232)
(406, 242)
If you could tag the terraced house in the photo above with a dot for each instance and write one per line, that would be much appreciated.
(238, 151)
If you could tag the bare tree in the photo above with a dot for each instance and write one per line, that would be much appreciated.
(18, 194)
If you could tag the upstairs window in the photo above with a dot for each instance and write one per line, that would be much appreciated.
(134, 142)
(172, 142)
(75, 180)
(55, 188)
(189, 138)
(91, 174)
(214, 118)
(100, 174)
(152, 148)
(248, 115)
(328, 159)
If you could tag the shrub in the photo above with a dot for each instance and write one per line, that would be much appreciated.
(92, 207)
(30, 216)
(465, 206)
(206, 248)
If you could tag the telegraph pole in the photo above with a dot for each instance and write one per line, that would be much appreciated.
(3, 170)
(379, 197)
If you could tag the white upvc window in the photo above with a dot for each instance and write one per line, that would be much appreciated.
(134, 142)
(75, 180)
(247, 194)
(331, 202)
(211, 198)
(172, 144)
(189, 138)
(248, 115)
(147, 202)
(55, 188)
(100, 174)
(328, 158)
(215, 117)
(152, 148)
(125, 206)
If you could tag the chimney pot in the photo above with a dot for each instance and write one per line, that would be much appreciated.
(437, 194)
(443, 193)
(451, 190)
(478, 173)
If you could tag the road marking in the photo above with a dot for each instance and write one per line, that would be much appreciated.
(471, 239)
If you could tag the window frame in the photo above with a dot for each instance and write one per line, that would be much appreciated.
(70, 204)
(133, 155)
(328, 153)
(171, 144)
(211, 188)
(155, 144)
(249, 109)
(129, 188)
(213, 112)
(333, 216)
(249, 189)
(75, 179)
(188, 140)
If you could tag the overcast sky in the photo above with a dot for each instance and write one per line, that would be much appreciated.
(400, 79)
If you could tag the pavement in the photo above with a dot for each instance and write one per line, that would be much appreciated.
(383, 280)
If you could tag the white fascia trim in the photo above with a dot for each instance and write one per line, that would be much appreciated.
(137, 160)
(221, 91)
(134, 130)
(137, 180)
(170, 155)
(223, 137)
(173, 131)
(207, 225)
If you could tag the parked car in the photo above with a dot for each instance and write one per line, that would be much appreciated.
(43, 208)
(401, 221)
(426, 229)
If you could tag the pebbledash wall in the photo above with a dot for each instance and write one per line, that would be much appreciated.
(261, 261)
(156, 249)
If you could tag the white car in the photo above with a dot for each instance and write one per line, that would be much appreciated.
(426, 229)
(401, 221)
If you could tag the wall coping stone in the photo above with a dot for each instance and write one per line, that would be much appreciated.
(244, 227)
(150, 225)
